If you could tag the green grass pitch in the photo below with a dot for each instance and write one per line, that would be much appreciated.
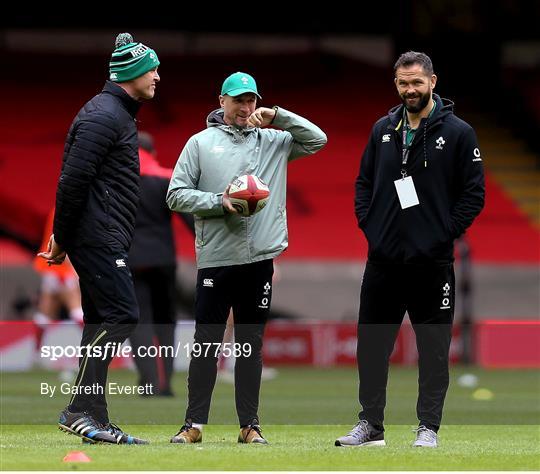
(302, 412)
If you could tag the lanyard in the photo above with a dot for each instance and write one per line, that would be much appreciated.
(405, 150)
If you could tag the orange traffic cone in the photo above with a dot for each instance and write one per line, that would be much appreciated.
(76, 456)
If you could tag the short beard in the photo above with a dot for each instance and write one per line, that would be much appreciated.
(424, 100)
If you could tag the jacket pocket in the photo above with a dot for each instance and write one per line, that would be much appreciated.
(363, 222)
(366, 225)
(283, 219)
(199, 232)
(450, 232)
(441, 243)
(107, 209)
(448, 229)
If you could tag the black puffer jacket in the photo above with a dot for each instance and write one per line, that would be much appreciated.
(98, 191)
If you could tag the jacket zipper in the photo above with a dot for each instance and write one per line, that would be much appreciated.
(201, 240)
(108, 207)
(246, 224)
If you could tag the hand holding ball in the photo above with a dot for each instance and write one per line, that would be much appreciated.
(248, 194)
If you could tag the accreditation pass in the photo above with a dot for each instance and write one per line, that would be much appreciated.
(406, 192)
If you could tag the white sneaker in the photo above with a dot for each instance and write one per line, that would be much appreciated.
(269, 373)
(425, 438)
(362, 434)
(226, 376)
(42, 320)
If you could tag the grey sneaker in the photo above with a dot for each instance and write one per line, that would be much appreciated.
(362, 434)
(425, 438)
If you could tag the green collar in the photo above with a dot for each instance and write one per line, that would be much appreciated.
(406, 120)
(412, 131)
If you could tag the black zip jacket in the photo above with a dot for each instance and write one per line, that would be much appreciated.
(446, 167)
(98, 190)
(153, 239)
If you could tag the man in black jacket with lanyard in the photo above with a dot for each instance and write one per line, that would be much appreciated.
(421, 185)
(96, 205)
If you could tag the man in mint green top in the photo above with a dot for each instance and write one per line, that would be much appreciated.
(235, 254)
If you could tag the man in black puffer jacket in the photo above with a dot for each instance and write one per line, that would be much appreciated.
(96, 206)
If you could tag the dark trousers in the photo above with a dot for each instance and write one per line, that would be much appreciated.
(247, 289)
(427, 293)
(110, 314)
(155, 290)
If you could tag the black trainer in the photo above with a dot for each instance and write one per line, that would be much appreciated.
(85, 427)
(121, 437)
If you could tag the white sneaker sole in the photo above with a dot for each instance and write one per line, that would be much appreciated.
(182, 440)
(367, 444)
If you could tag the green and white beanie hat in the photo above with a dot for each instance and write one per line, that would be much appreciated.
(130, 60)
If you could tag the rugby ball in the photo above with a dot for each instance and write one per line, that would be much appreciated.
(248, 194)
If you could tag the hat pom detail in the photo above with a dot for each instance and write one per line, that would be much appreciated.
(123, 39)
